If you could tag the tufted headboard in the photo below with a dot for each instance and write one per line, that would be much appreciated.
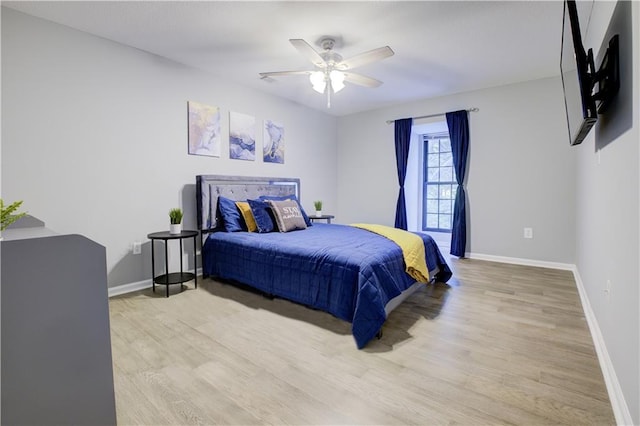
(239, 188)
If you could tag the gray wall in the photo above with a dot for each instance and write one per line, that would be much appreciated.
(94, 137)
(608, 244)
(521, 169)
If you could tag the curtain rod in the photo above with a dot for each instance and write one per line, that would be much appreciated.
(474, 109)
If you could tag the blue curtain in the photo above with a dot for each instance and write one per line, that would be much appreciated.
(403, 137)
(458, 124)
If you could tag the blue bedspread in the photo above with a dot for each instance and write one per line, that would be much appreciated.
(346, 271)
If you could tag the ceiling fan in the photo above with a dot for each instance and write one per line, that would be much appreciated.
(331, 70)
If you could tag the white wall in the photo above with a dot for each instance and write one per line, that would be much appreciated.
(413, 187)
(94, 137)
(521, 170)
(608, 244)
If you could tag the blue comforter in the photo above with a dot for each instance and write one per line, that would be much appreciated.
(346, 271)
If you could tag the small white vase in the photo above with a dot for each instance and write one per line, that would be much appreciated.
(318, 213)
(175, 228)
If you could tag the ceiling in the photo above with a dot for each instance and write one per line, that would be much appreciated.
(441, 47)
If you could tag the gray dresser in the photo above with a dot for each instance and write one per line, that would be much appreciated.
(56, 345)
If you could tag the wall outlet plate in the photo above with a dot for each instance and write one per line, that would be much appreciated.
(528, 232)
(137, 247)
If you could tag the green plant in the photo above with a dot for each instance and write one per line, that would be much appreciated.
(175, 215)
(7, 214)
(317, 205)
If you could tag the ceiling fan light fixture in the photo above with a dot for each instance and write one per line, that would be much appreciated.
(337, 80)
(328, 77)
(318, 81)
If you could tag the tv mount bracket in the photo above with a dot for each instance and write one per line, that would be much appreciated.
(607, 77)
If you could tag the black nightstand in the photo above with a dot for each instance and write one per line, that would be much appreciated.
(173, 277)
(325, 217)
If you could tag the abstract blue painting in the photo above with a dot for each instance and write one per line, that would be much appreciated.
(242, 137)
(204, 129)
(273, 142)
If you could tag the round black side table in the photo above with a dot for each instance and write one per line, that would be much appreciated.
(174, 277)
(326, 217)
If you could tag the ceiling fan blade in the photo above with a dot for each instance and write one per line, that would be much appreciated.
(309, 52)
(365, 58)
(361, 80)
(281, 73)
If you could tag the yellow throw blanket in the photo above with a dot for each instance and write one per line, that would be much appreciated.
(412, 248)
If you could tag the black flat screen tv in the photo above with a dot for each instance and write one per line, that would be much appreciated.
(577, 77)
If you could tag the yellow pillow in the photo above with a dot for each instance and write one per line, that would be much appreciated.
(245, 210)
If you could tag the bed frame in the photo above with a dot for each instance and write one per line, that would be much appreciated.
(240, 188)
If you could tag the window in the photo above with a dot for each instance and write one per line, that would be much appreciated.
(439, 186)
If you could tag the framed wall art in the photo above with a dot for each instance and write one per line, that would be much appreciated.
(204, 129)
(273, 142)
(242, 136)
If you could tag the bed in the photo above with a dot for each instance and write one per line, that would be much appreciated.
(352, 273)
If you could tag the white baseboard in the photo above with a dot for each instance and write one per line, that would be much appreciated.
(520, 261)
(129, 288)
(139, 285)
(618, 403)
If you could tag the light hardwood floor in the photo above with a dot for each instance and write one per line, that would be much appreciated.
(501, 344)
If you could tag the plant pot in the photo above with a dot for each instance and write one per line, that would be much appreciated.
(318, 213)
(175, 228)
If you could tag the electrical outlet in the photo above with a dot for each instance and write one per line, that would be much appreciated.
(607, 289)
(137, 247)
(528, 232)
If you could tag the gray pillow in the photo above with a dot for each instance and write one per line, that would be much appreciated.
(287, 214)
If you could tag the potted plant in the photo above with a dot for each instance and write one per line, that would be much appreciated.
(8, 214)
(175, 217)
(318, 206)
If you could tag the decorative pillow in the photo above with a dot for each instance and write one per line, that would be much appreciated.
(261, 215)
(245, 211)
(307, 221)
(231, 218)
(287, 214)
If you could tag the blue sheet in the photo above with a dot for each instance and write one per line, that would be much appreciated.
(346, 271)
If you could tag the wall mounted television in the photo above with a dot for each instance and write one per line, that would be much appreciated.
(579, 77)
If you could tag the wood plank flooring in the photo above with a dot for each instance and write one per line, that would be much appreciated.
(501, 344)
